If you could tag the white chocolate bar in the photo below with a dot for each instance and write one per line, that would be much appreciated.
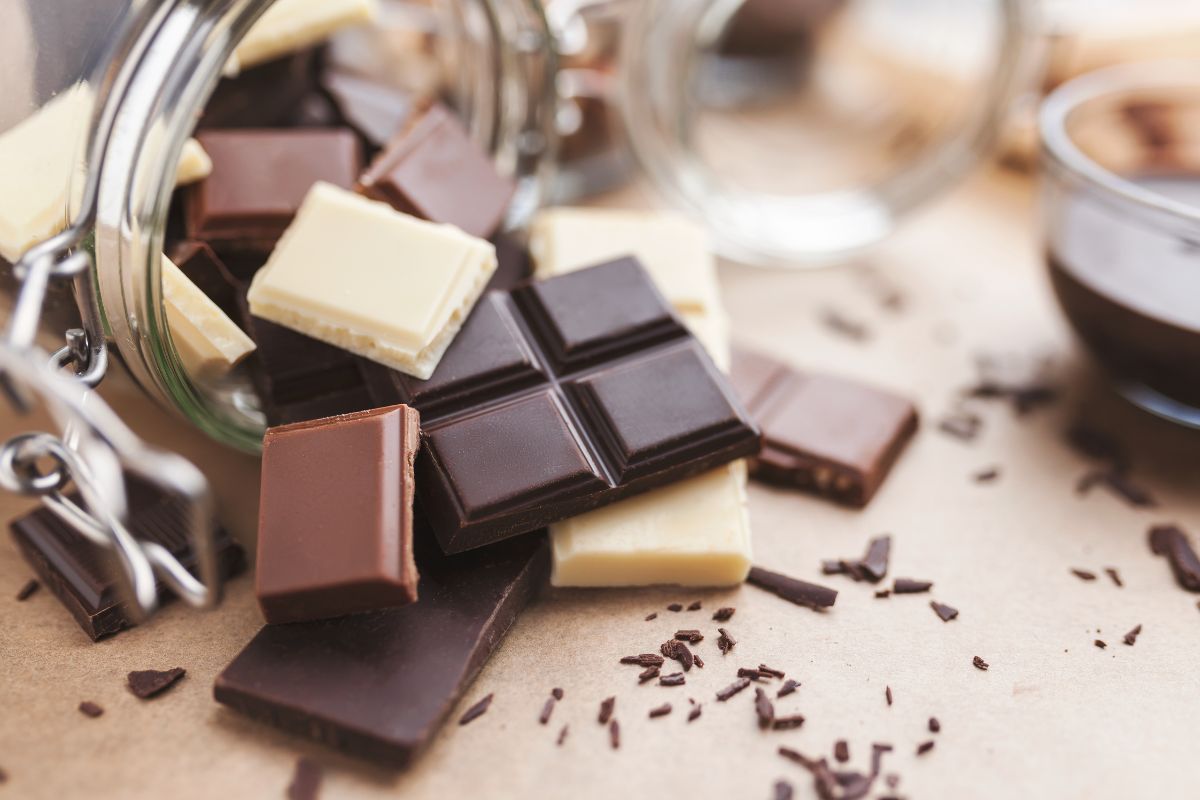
(692, 533)
(674, 250)
(361, 276)
(207, 340)
(194, 164)
(291, 25)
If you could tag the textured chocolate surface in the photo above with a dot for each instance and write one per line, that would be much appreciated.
(434, 170)
(379, 685)
(335, 516)
(562, 396)
(84, 576)
(829, 435)
(259, 179)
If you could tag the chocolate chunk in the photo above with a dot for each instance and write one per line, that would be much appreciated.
(934, 725)
(566, 394)
(988, 475)
(379, 685)
(433, 170)
(752, 674)
(306, 780)
(887, 693)
(699, 662)
(1083, 574)
(910, 586)
(841, 750)
(26, 591)
(1120, 484)
(562, 736)
(674, 679)
(1114, 575)
(1100, 644)
(606, 709)
(980, 664)
(783, 790)
(883, 593)
(676, 607)
(476, 711)
(945, 612)
(694, 606)
(764, 708)
(724, 614)
(147, 683)
(962, 425)
(556, 693)
(832, 436)
(260, 177)
(689, 635)
(644, 660)
(788, 687)
(614, 734)
(90, 709)
(84, 576)
(871, 567)
(787, 723)
(694, 714)
(732, 689)
(725, 642)
(660, 711)
(775, 673)
(547, 710)
(343, 487)
(1172, 542)
(648, 674)
(651, 616)
(1131, 637)
(795, 591)
(924, 747)
(376, 111)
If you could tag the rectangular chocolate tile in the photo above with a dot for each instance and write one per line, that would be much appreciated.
(380, 685)
(836, 437)
(335, 516)
(84, 576)
(562, 396)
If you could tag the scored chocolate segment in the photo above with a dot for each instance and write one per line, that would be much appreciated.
(562, 396)
(379, 685)
(832, 436)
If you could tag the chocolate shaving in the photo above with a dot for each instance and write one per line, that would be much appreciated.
(651, 615)
(723, 614)
(910, 586)
(694, 714)
(842, 325)
(648, 674)
(1172, 542)
(764, 708)
(752, 674)
(924, 747)
(556, 693)
(732, 689)
(725, 642)
(614, 735)
(776, 673)
(944, 611)
(674, 679)
(660, 711)
(562, 736)
(476, 711)
(1114, 575)
(1131, 637)
(787, 723)
(675, 607)
(606, 709)
(699, 661)
(27, 590)
(841, 751)
(883, 594)
(149, 682)
(833, 566)
(689, 635)
(783, 791)
(988, 475)
(875, 562)
(695, 606)
(887, 692)
(678, 651)
(796, 591)
(90, 709)
(934, 725)
(306, 780)
(980, 664)
(547, 710)
(1100, 643)
(962, 425)
(1083, 574)
(1119, 483)
(788, 687)
(644, 660)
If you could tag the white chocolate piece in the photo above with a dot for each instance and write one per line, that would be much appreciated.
(208, 342)
(692, 533)
(361, 276)
(292, 25)
(674, 250)
(194, 164)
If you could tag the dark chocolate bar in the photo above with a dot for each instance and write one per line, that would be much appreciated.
(379, 685)
(561, 396)
(85, 576)
(335, 516)
(264, 96)
(202, 267)
(832, 436)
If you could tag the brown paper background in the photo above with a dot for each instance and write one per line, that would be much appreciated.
(1054, 717)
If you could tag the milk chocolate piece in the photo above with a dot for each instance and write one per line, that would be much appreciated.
(85, 577)
(434, 170)
(829, 435)
(335, 516)
(562, 396)
(259, 179)
(379, 685)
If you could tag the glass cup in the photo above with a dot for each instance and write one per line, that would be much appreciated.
(1121, 202)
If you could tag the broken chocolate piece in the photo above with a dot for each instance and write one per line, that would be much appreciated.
(723, 614)
(910, 586)
(963, 425)
(689, 635)
(924, 747)
(644, 660)
(875, 563)
(839, 323)
(1114, 575)
(732, 689)
(148, 683)
(306, 780)
(698, 660)
(1131, 637)
(980, 664)
(887, 693)
(725, 642)
(606, 709)
(476, 711)
(934, 725)
(648, 674)
(883, 594)
(695, 606)
(787, 723)
(562, 736)
(776, 673)
(694, 714)
(675, 607)
(660, 711)
(788, 687)
(90, 709)
(27, 590)
(1083, 574)
(764, 708)
(945, 612)
(752, 674)
(556, 693)
(674, 679)
(652, 615)
(988, 475)
(1172, 542)
(796, 591)
(841, 751)
(1100, 643)
(547, 710)
(614, 734)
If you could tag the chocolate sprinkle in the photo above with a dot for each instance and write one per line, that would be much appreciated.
(796, 591)
(547, 710)
(934, 725)
(90, 709)
(648, 674)
(557, 693)
(777, 673)
(694, 714)
(1131, 637)
(1100, 643)
(27, 590)
(910, 586)
(783, 790)
(841, 751)
(924, 747)
(883, 594)
(678, 651)
(1083, 574)
(764, 709)
(1172, 542)
(614, 734)
(660, 711)
(149, 682)
(695, 606)
(988, 475)
(476, 711)
(1116, 577)
(674, 679)
(980, 664)
(887, 692)
(675, 607)
(652, 615)
(944, 611)
(787, 723)
(689, 635)
(723, 614)
(562, 735)
(306, 780)
(732, 689)
(606, 709)
(752, 674)
(788, 687)
(699, 661)
(644, 660)
(725, 642)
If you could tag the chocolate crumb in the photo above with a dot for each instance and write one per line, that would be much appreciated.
(887, 692)
(614, 735)
(1100, 643)
(644, 660)
(606, 709)
(694, 714)
(1131, 637)
(732, 689)
(788, 687)
(934, 725)
(910, 586)
(306, 780)
(689, 635)
(924, 747)
(476, 711)
(841, 750)
(1172, 542)
(725, 642)
(150, 682)
(695, 606)
(787, 723)
(1115, 576)
(777, 673)
(883, 594)
(651, 615)
(660, 711)
(944, 611)
(980, 664)
(90, 709)
(678, 651)
(1083, 574)
(783, 791)
(562, 735)
(674, 679)
(547, 710)
(962, 425)
(27, 590)
(723, 614)
(557, 693)
(988, 475)
(764, 708)
(648, 674)
(677, 607)
(699, 662)
(796, 591)
(892, 780)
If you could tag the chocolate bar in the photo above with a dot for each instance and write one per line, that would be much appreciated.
(379, 685)
(335, 516)
(375, 110)
(836, 437)
(562, 396)
(209, 343)
(85, 576)
(263, 97)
